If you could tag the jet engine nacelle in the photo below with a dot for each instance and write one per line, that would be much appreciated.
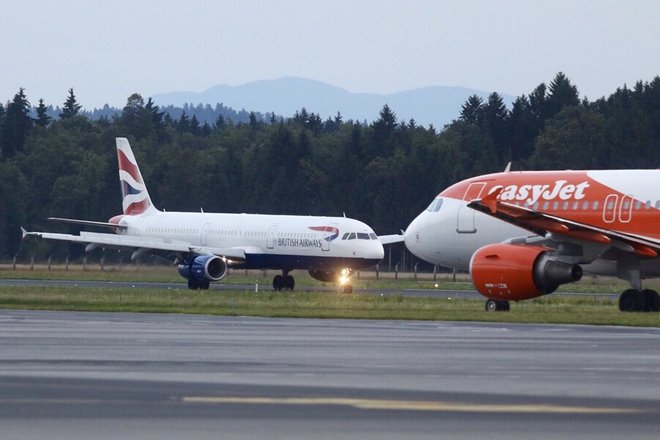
(327, 276)
(515, 272)
(204, 268)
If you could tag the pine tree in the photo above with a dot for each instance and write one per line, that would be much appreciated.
(472, 111)
(71, 107)
(561, 93)
(17, 124)
(496, 118)
(42, 117)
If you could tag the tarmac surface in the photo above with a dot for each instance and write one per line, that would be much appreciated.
(151, 376)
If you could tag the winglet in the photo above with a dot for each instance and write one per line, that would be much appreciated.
(24, 233)
(490, 200)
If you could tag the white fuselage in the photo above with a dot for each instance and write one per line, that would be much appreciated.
(269, 241)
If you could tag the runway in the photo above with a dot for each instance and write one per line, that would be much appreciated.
(144, 376)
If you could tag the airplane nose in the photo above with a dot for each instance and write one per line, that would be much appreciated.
(416, 237)
(411, 236)
(377, 251)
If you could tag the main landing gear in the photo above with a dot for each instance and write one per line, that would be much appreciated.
(284, 281)
(633, 300)
(194, 284)
(493, 305)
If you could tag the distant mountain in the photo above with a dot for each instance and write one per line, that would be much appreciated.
(437, 105)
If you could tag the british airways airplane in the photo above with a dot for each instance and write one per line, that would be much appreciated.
(208, 244)
(522, 234)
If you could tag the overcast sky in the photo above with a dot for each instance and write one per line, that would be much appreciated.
(108, 49)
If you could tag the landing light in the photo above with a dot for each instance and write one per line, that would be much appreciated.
(344, 277)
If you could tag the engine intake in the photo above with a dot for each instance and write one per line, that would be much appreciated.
(514, 272)
(204, 268)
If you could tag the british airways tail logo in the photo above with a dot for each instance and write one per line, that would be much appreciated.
(135, 199)
(331, 230)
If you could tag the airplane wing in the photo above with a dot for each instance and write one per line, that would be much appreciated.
(147, 243)
(390, 239)
(541, 224)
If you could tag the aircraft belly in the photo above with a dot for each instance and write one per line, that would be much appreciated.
(305, 262)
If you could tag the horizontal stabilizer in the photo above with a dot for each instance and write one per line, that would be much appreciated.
(87, 223)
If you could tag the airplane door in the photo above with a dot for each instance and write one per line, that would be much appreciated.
(326, 236)
(272, 237)
(626, 208)
(465, 219)
(609, 208)
(204, 237)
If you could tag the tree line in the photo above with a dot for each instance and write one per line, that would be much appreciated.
(384, 172)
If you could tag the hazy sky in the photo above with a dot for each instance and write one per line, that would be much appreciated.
(108, 49)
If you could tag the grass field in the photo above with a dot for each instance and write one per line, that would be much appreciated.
(578, 309)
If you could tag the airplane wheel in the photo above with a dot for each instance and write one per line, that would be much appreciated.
(204, 285)
(630, 301)
(278, 282)
(289, 282)
(651, 300)
(346, 289)
(192, 285)
(497, 306)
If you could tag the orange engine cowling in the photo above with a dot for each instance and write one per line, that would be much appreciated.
(515, 272)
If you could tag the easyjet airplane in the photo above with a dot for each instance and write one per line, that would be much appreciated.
(600, 222)
(208, 244)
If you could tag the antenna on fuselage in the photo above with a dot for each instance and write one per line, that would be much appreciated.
(508, 168)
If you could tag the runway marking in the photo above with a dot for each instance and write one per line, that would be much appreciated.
(411, 405)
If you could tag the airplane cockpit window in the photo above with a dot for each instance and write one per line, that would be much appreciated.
(359, 236)
(435, 205)
(430, 207)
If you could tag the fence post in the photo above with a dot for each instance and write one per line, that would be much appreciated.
(377, 270)
(415, 271)
(396, 271)
(50, 257)
(85, 263)
(32, 262)
(14, 262)
(66, 263)
(435, 273)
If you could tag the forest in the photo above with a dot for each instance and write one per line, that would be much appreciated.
(383, 172)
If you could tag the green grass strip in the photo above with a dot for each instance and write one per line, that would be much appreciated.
(552, 309)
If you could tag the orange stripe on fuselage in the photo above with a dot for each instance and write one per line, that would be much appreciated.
(567, 194)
